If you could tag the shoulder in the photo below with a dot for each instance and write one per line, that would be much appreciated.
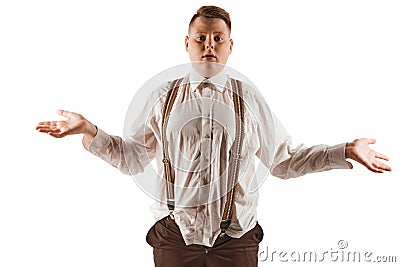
(157, 92)
(254, 99)
(249, 90)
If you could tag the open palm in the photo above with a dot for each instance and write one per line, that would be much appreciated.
(74, 124)
(360, 151)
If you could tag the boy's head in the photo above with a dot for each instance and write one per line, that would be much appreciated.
(208, 42)
(212, 12)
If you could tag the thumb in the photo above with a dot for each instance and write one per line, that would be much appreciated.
(371, 140)
(64, 113)
(349, 164)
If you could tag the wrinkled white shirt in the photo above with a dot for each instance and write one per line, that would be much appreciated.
(200, 132)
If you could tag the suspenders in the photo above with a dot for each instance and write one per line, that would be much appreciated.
(235, 154)
(169, 101)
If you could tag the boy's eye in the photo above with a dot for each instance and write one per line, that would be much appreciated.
(201, 38)
(218, 39)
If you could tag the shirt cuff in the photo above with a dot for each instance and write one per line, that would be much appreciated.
(99, 143)
(337, 158)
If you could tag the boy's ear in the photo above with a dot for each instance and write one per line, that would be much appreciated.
(187, 43)
(230, 46)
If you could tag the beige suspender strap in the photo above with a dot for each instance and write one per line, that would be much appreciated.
(169, 101)
(235, 155)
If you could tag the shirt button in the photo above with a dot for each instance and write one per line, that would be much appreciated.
(207, 136)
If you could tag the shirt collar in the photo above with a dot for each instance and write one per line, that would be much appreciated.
(218, 80)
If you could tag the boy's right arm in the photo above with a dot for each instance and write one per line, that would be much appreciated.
(113, 149)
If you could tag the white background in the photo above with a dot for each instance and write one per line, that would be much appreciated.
(328, 69)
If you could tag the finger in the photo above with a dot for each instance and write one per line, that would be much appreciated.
(371, 165)
(386, 168)
(48, 130)
(349, 164)
(51, 125)
(59, 132)
(48, 127)
(57, 135)
(373, 168)
(52, 133)
(43, 129)
(374, 165)
(371, 140)
(45, 123)
(367, 164)
(382, 166)
(54, 127)
(381, 156)
(48, 123)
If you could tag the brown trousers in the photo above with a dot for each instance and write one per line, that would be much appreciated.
(170, 250)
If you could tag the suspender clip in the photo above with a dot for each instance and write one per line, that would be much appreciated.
(171, 204)
(224, 225)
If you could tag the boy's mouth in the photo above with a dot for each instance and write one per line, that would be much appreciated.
(209, 57)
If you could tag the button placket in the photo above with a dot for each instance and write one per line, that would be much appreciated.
(205, 153)
(206, 127)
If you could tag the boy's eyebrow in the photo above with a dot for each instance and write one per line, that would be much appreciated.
(207, 32)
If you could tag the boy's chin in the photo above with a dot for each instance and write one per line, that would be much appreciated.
(207, 69)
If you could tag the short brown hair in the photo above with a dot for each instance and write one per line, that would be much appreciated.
(212, 12)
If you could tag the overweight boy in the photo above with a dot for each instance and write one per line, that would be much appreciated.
(205, 130)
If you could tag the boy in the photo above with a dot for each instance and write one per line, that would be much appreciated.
(193, 235)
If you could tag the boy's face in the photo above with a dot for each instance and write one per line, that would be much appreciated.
(209, 44)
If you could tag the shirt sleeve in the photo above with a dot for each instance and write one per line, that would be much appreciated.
(136, 150)
(289, 162)
(109, 148)
(285, 161)
(128, 156)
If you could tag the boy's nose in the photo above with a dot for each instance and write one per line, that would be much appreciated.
(210, 44)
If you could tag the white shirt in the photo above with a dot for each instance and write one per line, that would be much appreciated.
(200, 132)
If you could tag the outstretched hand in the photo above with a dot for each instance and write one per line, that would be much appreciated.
(360, 151)
(74, 124)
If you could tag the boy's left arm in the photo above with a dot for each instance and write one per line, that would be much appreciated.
(294, 162)
(289, 162)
